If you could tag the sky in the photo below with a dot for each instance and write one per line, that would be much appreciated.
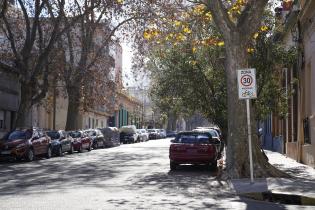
(129, 79)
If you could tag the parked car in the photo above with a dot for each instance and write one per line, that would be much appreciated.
(171, 134)
(158, 136)
(25, 144)
(128, 134)
(213, 127)
(162, 133)
(143, 134)
(111, 135)
(194, 147)
(153, 134)
(97, 137)
(61, 142)
(215, 135)
(81, 141)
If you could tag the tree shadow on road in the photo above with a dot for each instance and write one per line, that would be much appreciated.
(62, 173)
(187, 181)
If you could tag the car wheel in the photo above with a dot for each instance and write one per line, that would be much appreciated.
(213, 165)
(30, 155)
(80, 149)
(48, 154)
(90, 147)
(71, 149)
(173, 166)
(95, 146)
(59, 152)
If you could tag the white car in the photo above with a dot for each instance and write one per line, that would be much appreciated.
(128, 134)
(143, 134)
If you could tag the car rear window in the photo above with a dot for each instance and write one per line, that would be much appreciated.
(53, 134)
(75, 134)
(91, 133)
(213, 133)
(193, 139)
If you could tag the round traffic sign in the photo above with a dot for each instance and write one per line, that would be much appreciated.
(246, 80)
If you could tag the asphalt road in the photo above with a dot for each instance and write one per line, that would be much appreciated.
(134, 176)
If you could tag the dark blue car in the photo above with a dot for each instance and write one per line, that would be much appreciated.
(61, 142)
(171, 134)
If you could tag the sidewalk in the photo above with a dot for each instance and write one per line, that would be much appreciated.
(302, 183)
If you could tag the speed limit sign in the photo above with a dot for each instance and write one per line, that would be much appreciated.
(246, 83)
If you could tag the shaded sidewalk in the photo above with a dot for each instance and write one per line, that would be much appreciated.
(302, 183)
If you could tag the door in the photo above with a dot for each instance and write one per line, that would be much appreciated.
(44, 142)
(65, 141)
(36, 143)
(85, 140)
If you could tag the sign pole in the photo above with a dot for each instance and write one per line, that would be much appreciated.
(250, 142)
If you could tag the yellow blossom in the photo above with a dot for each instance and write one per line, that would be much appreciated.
(120, 1)
(264, 28)
(193, 63)
(220, 44)
(147, 35)
(250, 50)
(180, 37)
(256, 35)
(199, 9)
(177, 23)
(187, 30)
(208, 16)
(194, 49)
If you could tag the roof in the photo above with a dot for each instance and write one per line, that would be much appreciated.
(195, 132)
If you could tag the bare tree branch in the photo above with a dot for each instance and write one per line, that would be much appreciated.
(250, 18)
(220, 17)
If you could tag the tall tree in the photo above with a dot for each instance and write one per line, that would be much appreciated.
(237, 31)
(237, 22)
(89, 51)
(31, 29)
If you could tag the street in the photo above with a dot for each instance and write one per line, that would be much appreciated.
(133, 176)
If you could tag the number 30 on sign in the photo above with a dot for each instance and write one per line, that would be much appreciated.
(246, 80)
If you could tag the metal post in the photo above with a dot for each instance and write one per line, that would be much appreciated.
(250, 142)
(287, 117)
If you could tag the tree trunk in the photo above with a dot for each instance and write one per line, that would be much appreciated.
(237, 147)
(171, 122)
(23, 115)
(73, 108)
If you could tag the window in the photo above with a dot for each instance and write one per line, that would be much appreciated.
(306, 129)
(193, 139)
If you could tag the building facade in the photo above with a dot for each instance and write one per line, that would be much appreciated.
(295, 134)
(9, 99)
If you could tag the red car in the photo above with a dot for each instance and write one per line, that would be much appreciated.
(25, 144)
(194, 147)
(81, 141)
